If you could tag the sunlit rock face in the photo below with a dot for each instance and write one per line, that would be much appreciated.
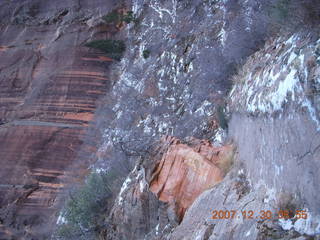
(49, 85)
(185, 171)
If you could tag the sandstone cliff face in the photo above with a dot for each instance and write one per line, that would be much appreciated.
(148, 101)
(49, 85)
(184, 172)
(177, 89)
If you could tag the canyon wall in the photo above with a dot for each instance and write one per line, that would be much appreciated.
(50, 84)
(216, 55)
(209, 75)
(275, 125)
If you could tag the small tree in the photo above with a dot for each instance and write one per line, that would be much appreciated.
(84, 208)
(113, 48)
(115, 17)
(128, 17)
(112, 17)
(146, 54)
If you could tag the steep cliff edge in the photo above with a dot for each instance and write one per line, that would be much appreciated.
(154, 197)
(275, 126)
(271, 189)
(234, 152)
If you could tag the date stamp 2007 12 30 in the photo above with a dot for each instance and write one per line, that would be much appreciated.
(263, 214)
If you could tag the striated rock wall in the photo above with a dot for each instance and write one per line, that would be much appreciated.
(49, 88)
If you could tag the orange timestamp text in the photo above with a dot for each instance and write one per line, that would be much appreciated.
(263, 214)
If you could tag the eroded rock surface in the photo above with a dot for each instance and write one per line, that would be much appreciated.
(50, 84)
(185, 171)
(275, 126)
(155, 195)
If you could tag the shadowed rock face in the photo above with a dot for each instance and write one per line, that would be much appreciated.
(184, 172)
(276, 129)
(49, 87)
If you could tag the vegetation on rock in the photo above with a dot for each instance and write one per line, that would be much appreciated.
(115, 17)
(294, 14)
(84, 209)
(146, 54)
(113, 48)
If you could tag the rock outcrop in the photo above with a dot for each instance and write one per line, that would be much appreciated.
(276, 168)
(153, 200)
(275, 125)
(185, 171)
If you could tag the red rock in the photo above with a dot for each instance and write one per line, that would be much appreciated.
(49, 89)
(185, 171)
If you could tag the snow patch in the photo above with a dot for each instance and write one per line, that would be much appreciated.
(61, 219)
(123, 188)
(270, 195)
(286, 224)
(219, 137)
(308, 226)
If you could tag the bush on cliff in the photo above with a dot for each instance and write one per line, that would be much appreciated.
(85, 207)
(294, 14)
(115, 17)
(112, 17)
(113, 48)
(222, 117)
(146, 53)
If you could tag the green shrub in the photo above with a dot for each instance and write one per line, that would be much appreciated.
(279, 12)
(112, 17)
(128, 17)
(222, 118)
(115, 17)
(113, 48)
(146, 53)
(85, 207)
(291, 15)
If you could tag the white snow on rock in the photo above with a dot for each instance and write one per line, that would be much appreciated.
(61, 219)
(142, 179)
(308, 226)
(123, 188)
(272, 79)
(219, 137)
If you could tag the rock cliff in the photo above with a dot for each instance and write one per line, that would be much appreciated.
(50, 84)
(275, 126)
(153, 200)
(273, 119)
(235, 95)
